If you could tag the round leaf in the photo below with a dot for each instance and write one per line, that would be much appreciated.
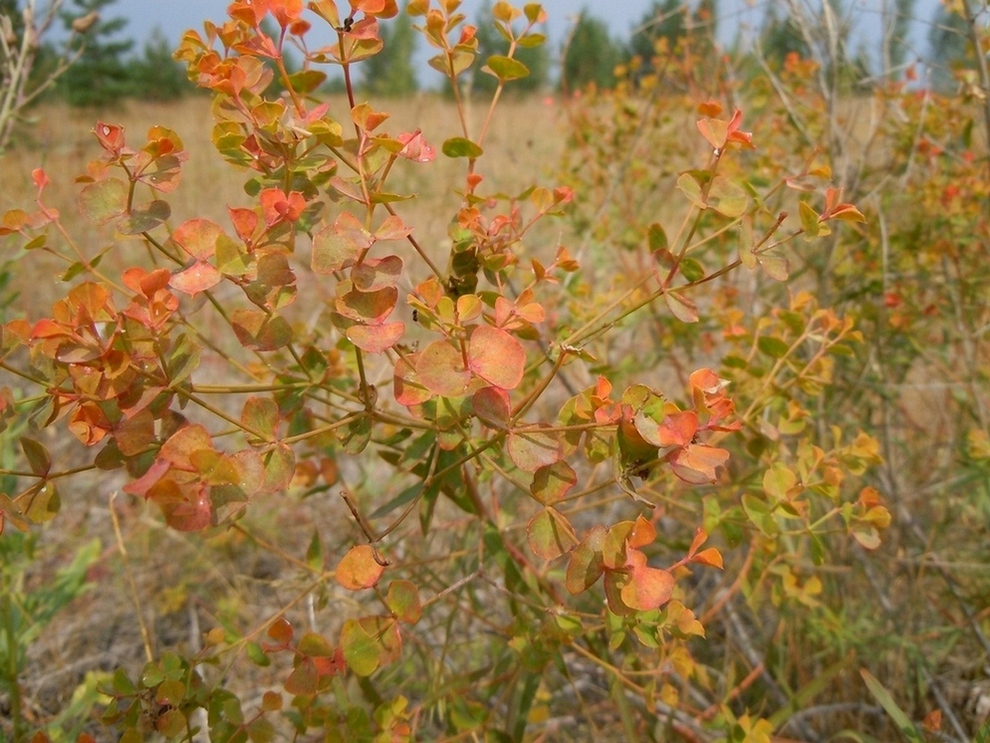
(359, 569)
(496, 357)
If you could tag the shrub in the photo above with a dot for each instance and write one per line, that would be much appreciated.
(535, 468)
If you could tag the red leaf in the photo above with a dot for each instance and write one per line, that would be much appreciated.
(491, 405)
(406, 384)
(496, 357)
(392, 228)
(586, 566)
(278, 207)
(338, 245)
(369, 308)
(440, 368)
(551, 483)
(646, 588)
(677, 429)
(199, 277)
(198, 237)
(375, 274)
(375, 338)
(696, 463)
(186, 508)
(245, 222)
(416, 148)
(110, 137)
(532, 449)
(280, 631)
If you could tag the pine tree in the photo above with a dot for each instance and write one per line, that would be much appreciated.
(100, 75)
(781, 37)
(896, 33)
(391, 73)
(591, 56)
(671, 27)
(156, 75)
(949, 42)
(665, 19)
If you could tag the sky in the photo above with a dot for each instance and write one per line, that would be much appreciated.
(175, 16)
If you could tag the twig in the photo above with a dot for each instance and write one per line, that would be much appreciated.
(145, 635)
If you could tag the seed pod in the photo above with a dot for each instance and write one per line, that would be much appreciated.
(83, 24)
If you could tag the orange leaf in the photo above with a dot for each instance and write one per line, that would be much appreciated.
(646, 588)
(358, 569)
(496, 357)
(696, 463)
(710, 557)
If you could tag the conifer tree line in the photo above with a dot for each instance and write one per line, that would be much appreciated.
(111, 66)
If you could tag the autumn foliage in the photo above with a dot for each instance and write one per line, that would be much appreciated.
(553, 442)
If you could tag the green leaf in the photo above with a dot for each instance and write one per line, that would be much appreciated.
(304, 678)
(314, 553)
(461, 147)
(145, 218)
(551, 482)
(690, 187)
(759, 514)
(773, 347)
(104, 200)
(171, 723)
(586, 564)
(505, 68)
(775, 266)
(550, 534)
(43, 502)
(908, 729)
(809, 220)
(170, 692)
(534, 12)
(39, 460)
(657, 238)
(256, 655)
(360, 650)
(306, 81)
(260, 418)
(778, 481)
(403, 601)
(400, 500)
(261, 730)
(258, 330)
(355, 436)
(691, 269)
(338, 245)
(727, 198)
(278, 465)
